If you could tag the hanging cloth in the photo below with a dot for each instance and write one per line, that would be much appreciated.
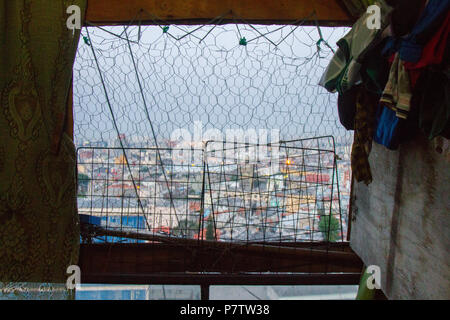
(397, 93)
(343, 70)
(39, 228)
(410, 47)
(366, 110)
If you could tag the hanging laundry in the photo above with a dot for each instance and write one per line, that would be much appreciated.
(375, 70)
(388, 127)
(397, 93)
(343, 71)
(431, 85)
(405, 16)
(392, 131)
(433, 102)
(427, 99)
(394, 123)
(410, 47)
(347, 107)
(433, 52)
(366, 109)
(374, 74)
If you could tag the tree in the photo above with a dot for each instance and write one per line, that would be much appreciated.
(185, 228)
(210, 230)
(330, 227)
(83, 182)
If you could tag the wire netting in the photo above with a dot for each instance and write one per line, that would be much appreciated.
(142, 93)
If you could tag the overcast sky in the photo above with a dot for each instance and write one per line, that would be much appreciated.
(206, 76)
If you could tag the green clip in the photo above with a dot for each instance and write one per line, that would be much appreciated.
(243, 41)
(86, 41)
(318, 43)
(165, 29)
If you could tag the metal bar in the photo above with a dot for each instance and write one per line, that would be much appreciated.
(295, 252)
(164, 258)
(204, 289)
(223, 279)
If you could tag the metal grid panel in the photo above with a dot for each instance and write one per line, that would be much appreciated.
(241, 192)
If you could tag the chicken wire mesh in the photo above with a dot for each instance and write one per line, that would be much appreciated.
(143, 92)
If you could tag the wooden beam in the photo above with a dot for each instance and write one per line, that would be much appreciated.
(222, 279)
(89, 231)
(150, 12)
(151, 258)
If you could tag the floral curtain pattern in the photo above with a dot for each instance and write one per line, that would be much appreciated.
(39, 228)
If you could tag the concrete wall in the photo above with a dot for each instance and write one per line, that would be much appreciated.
(401, 222)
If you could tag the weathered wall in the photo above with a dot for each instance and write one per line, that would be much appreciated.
(401, 222)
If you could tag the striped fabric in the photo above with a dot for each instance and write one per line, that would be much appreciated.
(397, 94)
(366, 109)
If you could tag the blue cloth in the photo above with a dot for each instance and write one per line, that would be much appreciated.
(84, 218)
(388, 125)
(410, 47)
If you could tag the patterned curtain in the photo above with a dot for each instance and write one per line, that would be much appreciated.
(39, 227)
